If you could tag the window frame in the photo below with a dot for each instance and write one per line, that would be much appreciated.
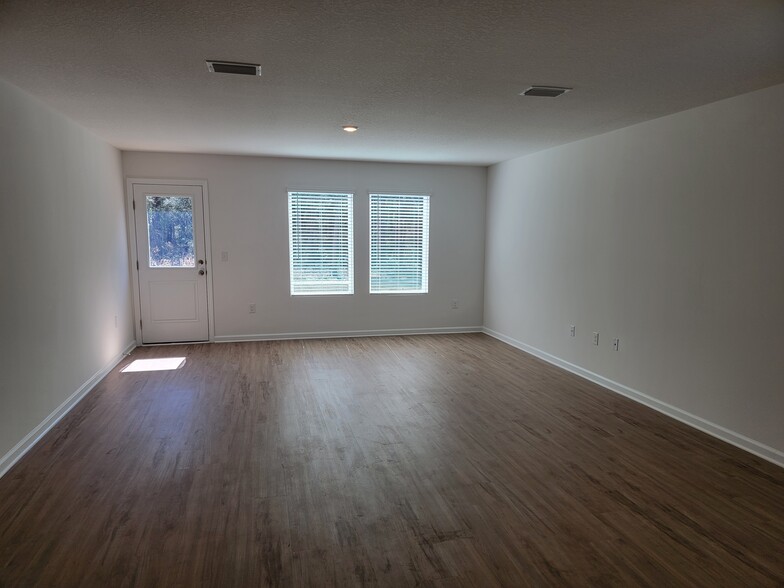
(425, 249)
(351, 273)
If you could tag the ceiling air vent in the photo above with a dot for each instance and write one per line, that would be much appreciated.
(545, 91)
(231, 67)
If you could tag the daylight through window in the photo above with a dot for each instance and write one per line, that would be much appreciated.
(321, 239)
(399, 243)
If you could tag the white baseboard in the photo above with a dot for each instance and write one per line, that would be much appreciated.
(759, 449)
(736, 439)
(34, 436)
(340, 334)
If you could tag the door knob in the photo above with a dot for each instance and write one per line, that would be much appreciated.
(201, 262)
(202, 272)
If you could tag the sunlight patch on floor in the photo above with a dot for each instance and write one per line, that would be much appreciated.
(154, 365)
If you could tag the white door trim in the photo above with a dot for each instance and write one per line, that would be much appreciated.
(133, 251)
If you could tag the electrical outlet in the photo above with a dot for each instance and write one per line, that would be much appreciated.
(572, 330)
(224, 256)
(252, 309)
(595, 338)
(455, 304)
(616, 343)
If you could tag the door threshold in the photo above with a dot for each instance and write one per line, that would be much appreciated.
(175, 343)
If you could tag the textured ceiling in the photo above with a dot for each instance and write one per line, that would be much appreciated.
(425, 80)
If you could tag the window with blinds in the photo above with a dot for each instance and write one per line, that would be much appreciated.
(321, 243)
(399, 243)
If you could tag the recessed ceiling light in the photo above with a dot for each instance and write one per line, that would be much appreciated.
(350, 128)
(233, 67)
(545, 91)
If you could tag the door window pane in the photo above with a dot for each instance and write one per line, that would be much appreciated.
(170, 231)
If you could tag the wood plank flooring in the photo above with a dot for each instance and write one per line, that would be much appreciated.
(450, 460)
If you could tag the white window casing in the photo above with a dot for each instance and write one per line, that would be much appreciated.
(321, 243)
(399, 243)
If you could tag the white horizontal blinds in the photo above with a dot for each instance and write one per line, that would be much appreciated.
(399, 243)
(321, 243)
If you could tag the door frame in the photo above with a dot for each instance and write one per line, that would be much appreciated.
(133, 252)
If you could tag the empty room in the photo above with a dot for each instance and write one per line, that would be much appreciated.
(367, 293)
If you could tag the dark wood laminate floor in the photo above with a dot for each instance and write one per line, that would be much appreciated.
(403, 461)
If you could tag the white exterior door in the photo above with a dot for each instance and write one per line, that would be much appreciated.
(172, 262)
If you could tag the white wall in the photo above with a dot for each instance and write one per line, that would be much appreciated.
(65, 263)
(668, 234)
(248, 209)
